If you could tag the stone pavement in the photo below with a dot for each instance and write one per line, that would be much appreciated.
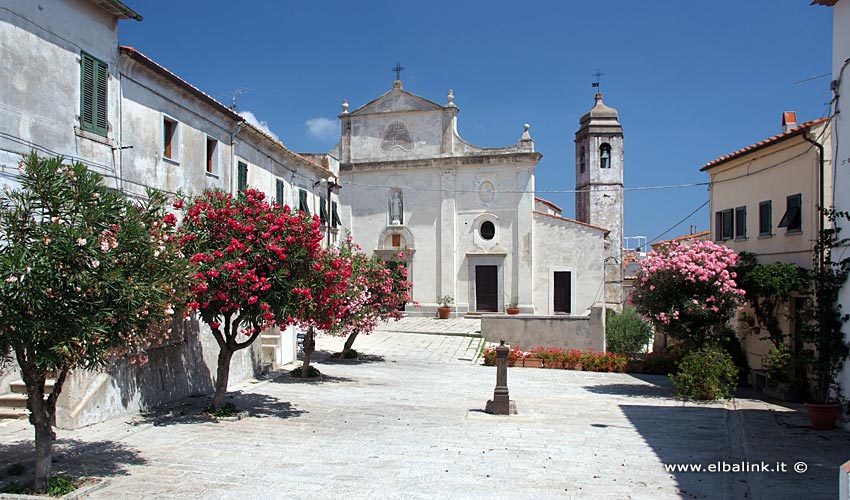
(451, 326)
(401, 423)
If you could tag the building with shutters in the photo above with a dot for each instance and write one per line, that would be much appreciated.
(764, 200)
(76, 93)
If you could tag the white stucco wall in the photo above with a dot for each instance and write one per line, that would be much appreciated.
(562, 245)
(841, 130)
(41, 44)
(148, 100)
(443, 209)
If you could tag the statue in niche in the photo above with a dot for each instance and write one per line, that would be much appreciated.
(396, 209)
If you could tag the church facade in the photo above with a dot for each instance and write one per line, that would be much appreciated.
(465, 219)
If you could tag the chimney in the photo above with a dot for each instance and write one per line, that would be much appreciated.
(789, 120)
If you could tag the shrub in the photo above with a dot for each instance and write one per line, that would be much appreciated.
(627, 331)
(706, 374)
(687, 289)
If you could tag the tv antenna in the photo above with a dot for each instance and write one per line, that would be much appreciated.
(235, 93)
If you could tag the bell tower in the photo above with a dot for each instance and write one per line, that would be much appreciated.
(599, 186)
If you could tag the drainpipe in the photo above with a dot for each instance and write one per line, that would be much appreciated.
(822, 224)
(233, 156)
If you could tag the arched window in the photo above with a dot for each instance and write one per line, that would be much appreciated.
(582, 161)
(605, 155)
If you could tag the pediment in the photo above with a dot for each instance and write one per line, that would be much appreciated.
(395, 101)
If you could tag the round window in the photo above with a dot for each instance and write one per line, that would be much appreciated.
(487, 230)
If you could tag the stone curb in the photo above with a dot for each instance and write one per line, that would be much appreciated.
(74, 495)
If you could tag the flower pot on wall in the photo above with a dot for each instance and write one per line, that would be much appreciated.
(444, 312)
(532, 362)
(512, 310)
(823, 417)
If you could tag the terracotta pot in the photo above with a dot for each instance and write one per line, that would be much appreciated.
(512, 362)
(532, 362)
(512, 310)
(577, 366)
(444, 312)
(823, 417)
(554, 364)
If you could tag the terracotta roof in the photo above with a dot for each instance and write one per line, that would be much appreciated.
(763, 144)
(556, 207)
(158, 68)
(694, 236)
(573, 221)
(162, 70)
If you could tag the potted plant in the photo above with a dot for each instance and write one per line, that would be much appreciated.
(513, 306)
(823, 328)
(532, 359)
(445, 308)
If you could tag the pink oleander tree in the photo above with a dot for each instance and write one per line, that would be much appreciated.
(324, 299)
(687, 289)
(255, 265)
(87, 276)
(377, 294)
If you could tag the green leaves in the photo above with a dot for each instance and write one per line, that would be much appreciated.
(84, 272)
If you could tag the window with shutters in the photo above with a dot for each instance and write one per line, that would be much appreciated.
(792, 221)
(765, 222)
(741, 223)
(335, 222)
(241, 176)
(212, 155)
(302, 201)
(94, 93)
(169, 138)
(323, 210)
(279, 192)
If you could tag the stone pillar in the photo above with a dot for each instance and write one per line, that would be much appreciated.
(501, 403)
(447, 244)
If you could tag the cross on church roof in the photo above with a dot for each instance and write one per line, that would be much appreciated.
(398, 68)
(598, 75)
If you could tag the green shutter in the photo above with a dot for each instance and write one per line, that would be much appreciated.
(302, 201)
(94, 95)
(335, 216)
(279, 192)
(242, 177)
(323, 210)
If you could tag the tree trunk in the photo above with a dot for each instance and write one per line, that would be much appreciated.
(347, 347)
(44, 438)
(225, 355)
(309, 348)
(41, 417)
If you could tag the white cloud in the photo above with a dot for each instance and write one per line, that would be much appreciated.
(322, 128)
(250, 118)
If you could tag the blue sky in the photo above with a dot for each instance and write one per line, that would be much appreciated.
(692, 80)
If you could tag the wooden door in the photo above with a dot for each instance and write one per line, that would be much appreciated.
(486, 288)
(562, 292)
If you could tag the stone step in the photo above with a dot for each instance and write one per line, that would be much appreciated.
(13, 413)
(13, 401)
(19, 387)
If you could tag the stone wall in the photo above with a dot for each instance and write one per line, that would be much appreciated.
(567, 332)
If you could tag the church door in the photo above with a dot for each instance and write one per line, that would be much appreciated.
(562, 292)
(486, 288)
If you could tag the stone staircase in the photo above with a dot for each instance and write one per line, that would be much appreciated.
(270, 342)
(14, 404)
